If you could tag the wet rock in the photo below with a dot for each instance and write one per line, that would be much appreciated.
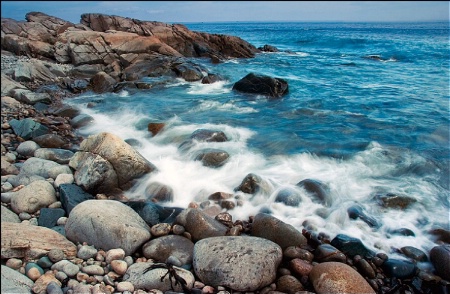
(397, 268)
(253, 184)
(365, 268)
(356, 211)
(81, 120)
(201, 226)
(27, 148)
(318, 190)
(205, 135)
(327, 252)
(351, 246)
(271, 228)
(158, 192)
(263, 85)
(154, 128)
(300, 266)
(102, 82)
(268, 48)
(337, 277)
(288, 196)
(414, 253)
(244, 263)
(289, 284)
(188, 72)
(212, 157)
(395, 201)
(440, 258)
(211, 78)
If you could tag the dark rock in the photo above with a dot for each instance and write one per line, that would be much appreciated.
(201, 226)
(153, 213)
(78, 85)
(212, 157)
(269, 227)
(268, 48)
(101, 82)
(71, 195)
(441, 234)
(440, 258)
(318, 190)
(365, 268)
(397, 268)
(59, 229)
(66, 111)
(288, 196)
(211, 78)
(402, 232)
(81, 120)
(220, 196)
(160, 249)
(27, 128)
(391, 200)
(158, 192)
(50, 141)
(327, 252)
(204, 135)
(250, 184)
(356, 211)
(155, 127)
(189, 72)
(414, 253)
(49, 216)
(351, 246)
(263, 85)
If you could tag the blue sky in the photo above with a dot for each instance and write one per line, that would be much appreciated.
(211, 11)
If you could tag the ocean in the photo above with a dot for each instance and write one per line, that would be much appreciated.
(367, 114)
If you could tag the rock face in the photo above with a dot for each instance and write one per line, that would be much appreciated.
(122, 48)
(241, 263)
(261, 84)
(107, 224)
(105, 162)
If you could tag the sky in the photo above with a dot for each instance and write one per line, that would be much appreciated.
(232, 11)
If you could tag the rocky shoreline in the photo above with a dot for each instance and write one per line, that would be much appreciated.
(68, 228)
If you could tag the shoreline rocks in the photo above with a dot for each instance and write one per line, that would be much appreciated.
(100, 242)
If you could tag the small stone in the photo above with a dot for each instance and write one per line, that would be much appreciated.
(93, 270)
(55, 255)
(119, 266)
(300, 266)
(114, 254)
(33, 273)
(178, 229)
(161, 229)
(125, 286)
(14, 263)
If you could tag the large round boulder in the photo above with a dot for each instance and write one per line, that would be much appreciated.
(107, 224)
(242, 263)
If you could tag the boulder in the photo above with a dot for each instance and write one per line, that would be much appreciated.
(241, 263)
(337, 277)
(160, 249)
(111, 159)
(263, 85)
(107, 224)
(271, 228)
(33, 197)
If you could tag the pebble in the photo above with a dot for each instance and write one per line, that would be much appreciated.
(119, 266)
(56, 255)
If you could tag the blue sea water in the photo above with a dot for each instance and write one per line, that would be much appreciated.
(367, 113)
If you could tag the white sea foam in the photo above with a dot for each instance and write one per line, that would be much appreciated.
(207, 105)
(220, 87)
